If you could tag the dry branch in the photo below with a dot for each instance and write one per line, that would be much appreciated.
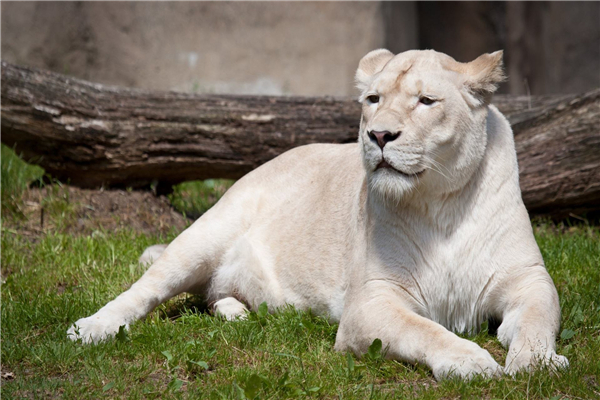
(94, 135)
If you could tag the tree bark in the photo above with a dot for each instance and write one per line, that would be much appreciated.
(92, 135)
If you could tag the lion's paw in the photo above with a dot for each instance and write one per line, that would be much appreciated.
(95, 328)
(230, 308)
(466, 362)
(528, 361)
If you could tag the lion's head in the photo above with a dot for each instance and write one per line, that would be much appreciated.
(423, 125)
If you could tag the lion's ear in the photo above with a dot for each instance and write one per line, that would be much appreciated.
(369, 65)
(484, 74)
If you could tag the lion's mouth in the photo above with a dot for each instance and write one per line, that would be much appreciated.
(385, 164)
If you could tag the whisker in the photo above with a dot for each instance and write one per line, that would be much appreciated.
(437, 167)
(435, 154)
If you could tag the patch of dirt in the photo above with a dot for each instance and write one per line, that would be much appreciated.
(591, 381)
(6, 375)
(496, 350)
(75, 211)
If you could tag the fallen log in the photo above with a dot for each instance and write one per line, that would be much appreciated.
(93, 135)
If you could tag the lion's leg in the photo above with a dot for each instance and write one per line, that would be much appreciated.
(230, 308)
(411, 337)
(530, 313)
(186, 265)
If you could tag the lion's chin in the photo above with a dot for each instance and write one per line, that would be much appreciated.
(391, 184)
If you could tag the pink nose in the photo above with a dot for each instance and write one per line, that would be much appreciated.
(382, 137)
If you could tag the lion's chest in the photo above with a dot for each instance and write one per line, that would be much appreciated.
(446, 279)
(454, 289)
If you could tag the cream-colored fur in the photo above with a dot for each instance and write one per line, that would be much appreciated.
(435, 241)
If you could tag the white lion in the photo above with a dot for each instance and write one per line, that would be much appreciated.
(413, 233)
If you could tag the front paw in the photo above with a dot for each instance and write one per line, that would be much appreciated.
(529, 361)
(465, 361)
(98, 327)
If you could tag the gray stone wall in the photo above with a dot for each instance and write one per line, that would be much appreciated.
(302, 48)
(222, 47)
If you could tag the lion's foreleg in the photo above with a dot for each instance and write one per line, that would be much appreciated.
(530, 320)
(411, 337)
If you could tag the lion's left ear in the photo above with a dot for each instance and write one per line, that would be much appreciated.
(484, 74)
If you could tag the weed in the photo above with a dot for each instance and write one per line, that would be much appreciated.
(194, 198)
(16, 175)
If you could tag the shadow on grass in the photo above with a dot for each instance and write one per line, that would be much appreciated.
(176, 308)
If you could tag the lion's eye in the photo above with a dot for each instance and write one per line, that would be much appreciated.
(426, 100)
(373, 98)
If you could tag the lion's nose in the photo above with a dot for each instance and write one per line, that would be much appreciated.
(382, 137)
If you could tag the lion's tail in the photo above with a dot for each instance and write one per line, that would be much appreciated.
(151, 254)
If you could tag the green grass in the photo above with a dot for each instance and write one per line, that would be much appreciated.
(181, 352)
(194, 198)
(16, 175)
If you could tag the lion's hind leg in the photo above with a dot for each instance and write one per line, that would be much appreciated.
(247, 272)
(186, 265)
(230, 308)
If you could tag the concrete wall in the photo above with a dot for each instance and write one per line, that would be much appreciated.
(549, 47)
(222, 47)
(554, 46)
(303, 48)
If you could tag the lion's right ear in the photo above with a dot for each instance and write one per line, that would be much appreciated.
(369, 65)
